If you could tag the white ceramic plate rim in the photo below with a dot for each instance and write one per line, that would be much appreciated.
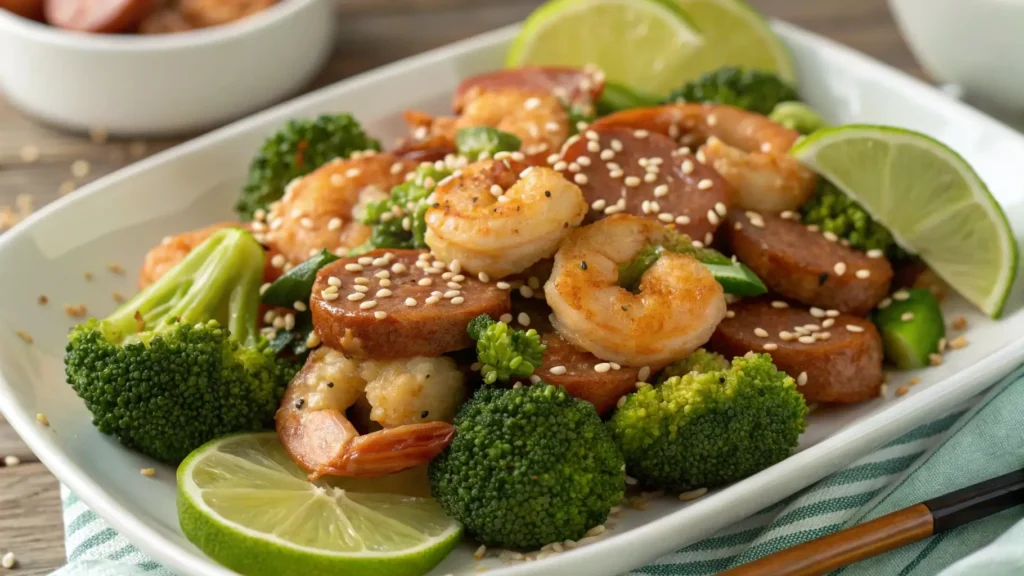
(648, 541)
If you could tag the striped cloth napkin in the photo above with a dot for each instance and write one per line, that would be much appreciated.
(952, 452)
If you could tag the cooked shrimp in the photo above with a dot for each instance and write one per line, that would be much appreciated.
(747, 149)
(173, 250)
(676, 311)
(324, 208)
(313, 428)
(493, 223)
(535, 116)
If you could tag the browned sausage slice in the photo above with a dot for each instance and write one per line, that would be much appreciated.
(801, 264)
(645, 174)
(833, 357)
(106, 16)
(570, 85)
(380, 306)
(568, 366)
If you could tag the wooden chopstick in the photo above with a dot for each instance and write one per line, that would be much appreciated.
(891, 531)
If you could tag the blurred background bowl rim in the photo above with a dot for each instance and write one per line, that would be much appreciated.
(199, 38)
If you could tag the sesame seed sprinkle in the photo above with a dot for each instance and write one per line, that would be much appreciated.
(580, 179)
(602, 367)
(665, 217)
(361, 288)
(900, 295)
(523, 319)
(458, 300)
(713, 218)
(760, 332)
(771, 346)
(502, 285)
(801, 380)
(351, 267)
(506, 318)
(705, 184)
(730, 313)
(875, 253)
(410, 302)
(557, 370)
(854, 328)
(839, 268)
(433, 300)
(682, 220)
(632, 181)
(862, 274)
(906, 316)
(356, 296)
(806, 339)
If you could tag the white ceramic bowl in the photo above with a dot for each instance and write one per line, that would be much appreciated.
(133, 85)
(975, 44)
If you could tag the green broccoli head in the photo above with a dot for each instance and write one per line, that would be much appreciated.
(182, 362)
(797, 116)
(833, 211)
(700, 361)
(399, 221)
(528, 466)
(484, 142)
(505, 353)
(296, 150)
(750, 89)
(708, 429)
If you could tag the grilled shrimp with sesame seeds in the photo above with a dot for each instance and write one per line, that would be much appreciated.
(675, 312)
(498, 222)
(411, 398)
(535, 116)
(323, 210)
(747, 149)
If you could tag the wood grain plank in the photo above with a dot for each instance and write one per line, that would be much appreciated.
(30, 519)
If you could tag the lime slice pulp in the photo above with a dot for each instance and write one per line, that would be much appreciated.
(931, 200)
(734, 35)
(642, 44)
(244, 502)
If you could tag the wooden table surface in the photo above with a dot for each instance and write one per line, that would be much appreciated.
(370, 33)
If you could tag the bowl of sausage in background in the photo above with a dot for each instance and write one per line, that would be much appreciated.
(157, 67)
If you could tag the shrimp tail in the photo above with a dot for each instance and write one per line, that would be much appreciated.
(391, 450)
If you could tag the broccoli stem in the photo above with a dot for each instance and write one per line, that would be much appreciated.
(218, 280)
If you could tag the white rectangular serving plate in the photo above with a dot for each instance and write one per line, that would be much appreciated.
(117, 218)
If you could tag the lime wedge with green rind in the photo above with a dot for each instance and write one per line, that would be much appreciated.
(931, 200)
(244, 503)
(734, 34)
(642, 44)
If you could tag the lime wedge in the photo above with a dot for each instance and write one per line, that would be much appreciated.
(642, 44)
(244, 503)
(930, 199)
(734, 35)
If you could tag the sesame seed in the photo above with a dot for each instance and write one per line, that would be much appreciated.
(700, 156)
(682, 220)
(900, 295)
(828, 323)
(356, 296)
(958, 343)
(935, 359)
(817, 312)
(80, 168)
(756, 222)
(480, 552)
(451, 293)
(730, 313)
(839, 268)
(854, 328)
(907, 316)
(433, 300)
(455, 285)
(616, 145)
(330, 296)
(557, 370)
(25, 336)
(661, 190)
(779, 304)
(503, 200)
(382, 293)
(607, 154)
(506, 318)
(640, 134)
(761, 332)
(458, 300)
(367, 305)
(379, 262)
(771, 346)
(11, 461)
(615, 366)
(830, 236)
(584, 160)
(361, 288)
(277, 261)
(801, 380)
(875, 253)
(832, 313)
(632, 181)
(650, 178)
(665, 217)
(602, 367)
(704, 184)
(523, 319)
(580, 179)
(526, 291)
(786, 336)
(598, 204)
(959, 323)
(361, 280)
(502, 285)
(862, 274)
(615, 174)
(351, 267)
(713, 218)
(806, 339)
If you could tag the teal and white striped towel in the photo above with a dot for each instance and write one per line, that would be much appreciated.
(952, 452)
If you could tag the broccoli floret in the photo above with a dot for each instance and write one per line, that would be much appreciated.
(296, 150)
(750, 89)
(399, 221)
(182, 362)
(835, 212)
(700, 361)
(528, 466)
(708, 429)
(504, 352)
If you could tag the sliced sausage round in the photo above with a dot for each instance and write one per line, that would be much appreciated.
(648, 175)
(800, 263)
(398, 304)
(103, 16)
(568, 366)
(570, 85)
(834, 357)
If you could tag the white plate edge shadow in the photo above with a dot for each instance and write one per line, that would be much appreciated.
(799, 471)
